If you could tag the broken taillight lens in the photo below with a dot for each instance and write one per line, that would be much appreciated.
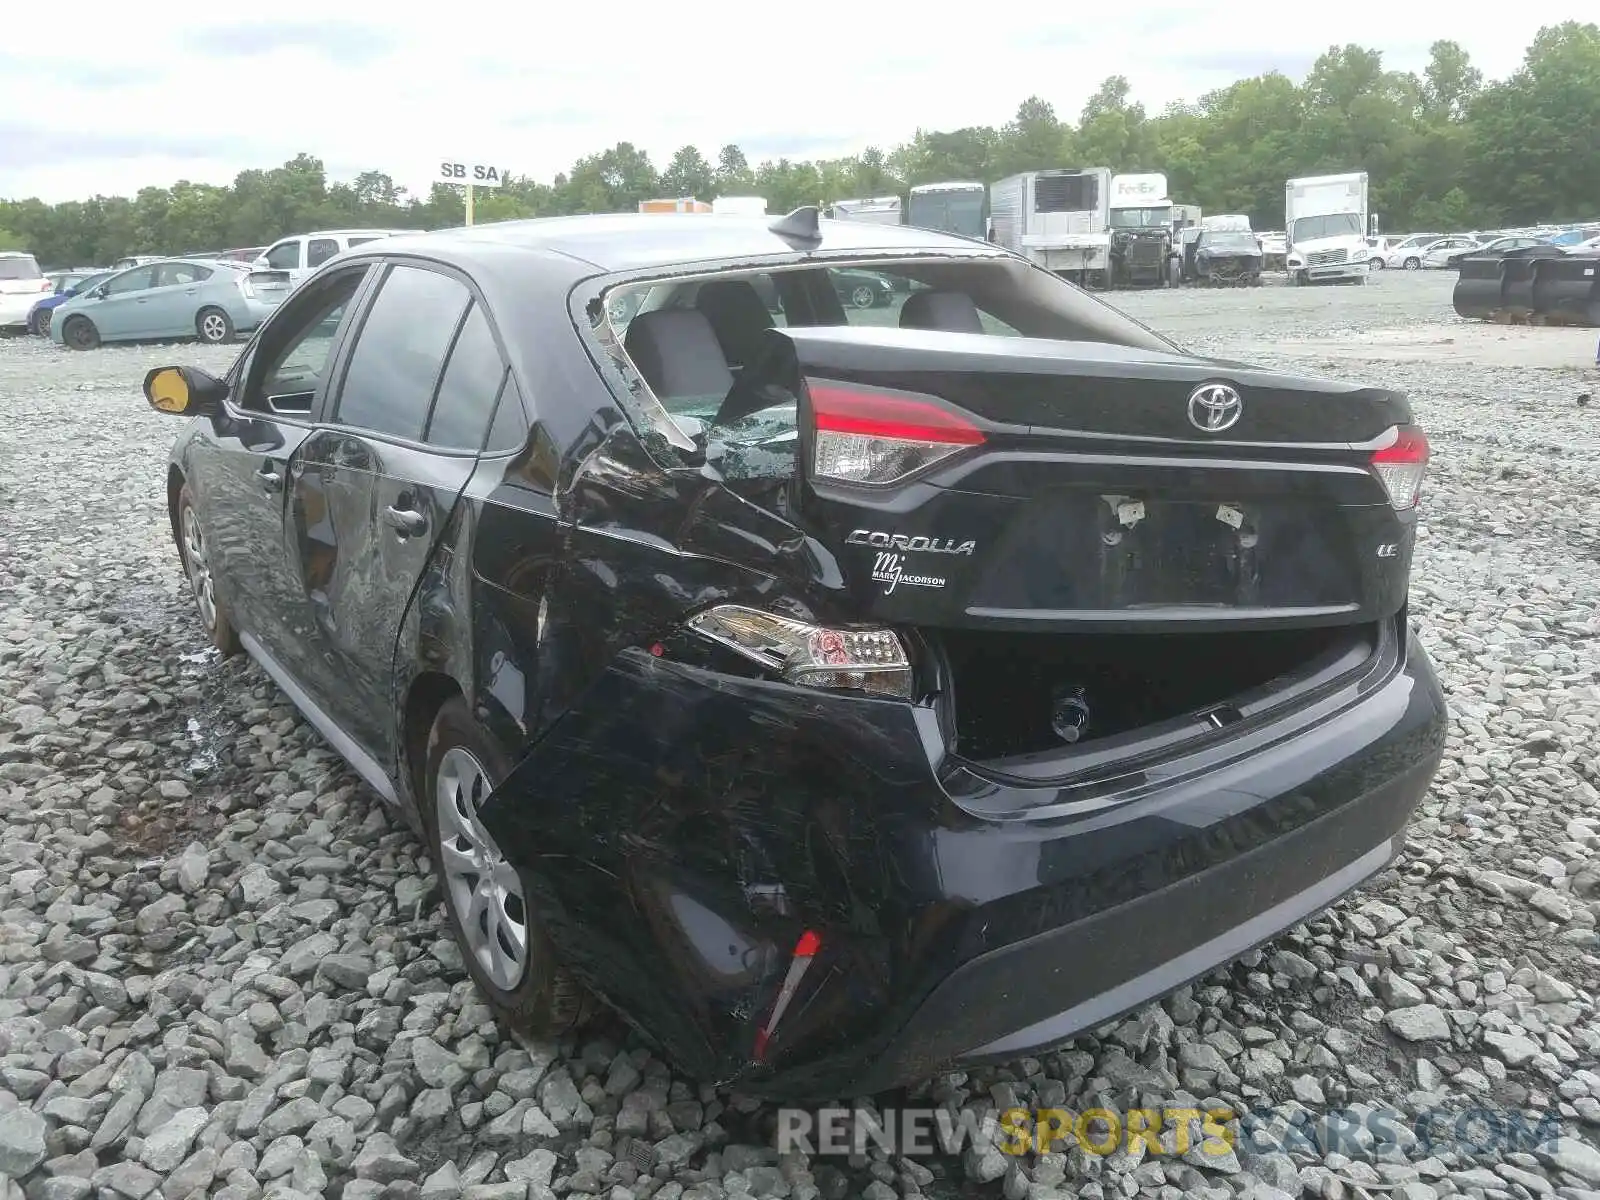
(1401, 466)
(869, 660)
(876, 436)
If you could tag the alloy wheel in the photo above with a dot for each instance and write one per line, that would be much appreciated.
(863, 297)
(485, 889)
(213, 327)
(194, 555)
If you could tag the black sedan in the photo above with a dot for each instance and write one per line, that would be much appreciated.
(840, 703)
(1499, 248)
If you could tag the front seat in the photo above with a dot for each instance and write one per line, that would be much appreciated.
(739, 317)
(952, 312)
(677, 352)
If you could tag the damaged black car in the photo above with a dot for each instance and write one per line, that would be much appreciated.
(838, 694)
(1227, 258)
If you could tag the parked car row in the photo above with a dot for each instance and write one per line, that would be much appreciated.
(212, 295)
(1439, 251)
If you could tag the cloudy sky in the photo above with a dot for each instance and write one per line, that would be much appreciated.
(103, 96)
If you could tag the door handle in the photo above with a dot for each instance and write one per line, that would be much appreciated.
(191, 291)
(405, 521)
(270, 478)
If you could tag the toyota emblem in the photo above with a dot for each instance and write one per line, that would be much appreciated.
(1214, 407)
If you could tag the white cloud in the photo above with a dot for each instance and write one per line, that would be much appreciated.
(157, 92)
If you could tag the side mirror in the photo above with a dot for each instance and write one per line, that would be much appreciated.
(184, 391)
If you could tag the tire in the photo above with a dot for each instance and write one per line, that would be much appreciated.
(536, 996)
(39, 323)
(862, 296)
(1412, 264)
(1174, 274)
(213, 326)
(193, 553)
(1374, 264)
(79, 333)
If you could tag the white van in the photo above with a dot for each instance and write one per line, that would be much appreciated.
(303, 253)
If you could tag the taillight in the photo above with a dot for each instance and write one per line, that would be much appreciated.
(247, 287)
(876, 436)
(864, 659)
(46, 286)
(1402, 464)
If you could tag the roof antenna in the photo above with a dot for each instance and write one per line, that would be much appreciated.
(800, 228)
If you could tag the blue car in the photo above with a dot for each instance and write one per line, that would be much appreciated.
(68, 284)
(208, 299)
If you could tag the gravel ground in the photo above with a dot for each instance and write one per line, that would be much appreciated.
(223, 972)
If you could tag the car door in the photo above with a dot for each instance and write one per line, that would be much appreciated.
(115, 310)
(168, 308)
(369, 496)
(239, 468)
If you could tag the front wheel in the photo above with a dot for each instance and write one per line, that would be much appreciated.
(214, 326)
(1413, 264)
(194, 550)
(1375, 264)
(80, 333)
(486, 896)
(39, 323)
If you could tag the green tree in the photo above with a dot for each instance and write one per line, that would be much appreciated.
(689, 174)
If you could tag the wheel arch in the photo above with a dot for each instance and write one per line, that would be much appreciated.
(175, 482)
(428, 692)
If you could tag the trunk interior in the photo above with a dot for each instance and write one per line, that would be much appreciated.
(1011, 691)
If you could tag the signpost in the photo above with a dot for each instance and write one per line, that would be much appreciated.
(469, 175)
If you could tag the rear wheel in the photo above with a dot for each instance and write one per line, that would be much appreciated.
(1413, 264)
(863, 296)
(1375, 264)
(39, 323)
(214, 326)
(486, 896)
(80, 333)
(194, 551)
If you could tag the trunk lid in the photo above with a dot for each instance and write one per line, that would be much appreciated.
(1094, 486)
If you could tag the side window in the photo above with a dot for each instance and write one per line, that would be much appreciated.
(399, 351)
(510, 428)
(320, 251)
(131, 281)
(285, 256)
(290, 360)
(467, 391)
(173, 274)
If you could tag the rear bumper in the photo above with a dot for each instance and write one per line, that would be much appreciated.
(685, 828)
(14, 310)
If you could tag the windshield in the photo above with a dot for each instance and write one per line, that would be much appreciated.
(1309, 229)
(950, 212)
(1009, 298)
(1141, 218)
(19, 266)
(1230, 240)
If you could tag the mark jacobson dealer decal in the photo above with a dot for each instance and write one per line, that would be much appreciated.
(889, 567)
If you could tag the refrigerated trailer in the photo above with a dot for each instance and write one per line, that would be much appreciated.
(1059, 220)
(958, 206)
(744, 206)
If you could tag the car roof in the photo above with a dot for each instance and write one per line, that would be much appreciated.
(619, 242)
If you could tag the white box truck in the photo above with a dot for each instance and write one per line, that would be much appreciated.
(1060, 220)
(1326, 228)
(877, 210)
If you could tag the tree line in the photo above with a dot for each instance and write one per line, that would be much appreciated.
(1444, 150)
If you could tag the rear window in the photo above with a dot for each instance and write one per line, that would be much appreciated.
(680, 368)
(19, 266)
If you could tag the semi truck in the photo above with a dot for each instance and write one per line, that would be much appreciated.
(1141, 223)
(960, 207)
(878, 210)
(1326, 226)
(1058, 219)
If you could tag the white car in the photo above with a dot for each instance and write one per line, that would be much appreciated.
(22, 285)
(1592, 246)
(1406, 254)
(1381, 245)
(1437, 255)
(303, 253)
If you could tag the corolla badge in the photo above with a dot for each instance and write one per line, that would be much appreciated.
(1214, 407)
